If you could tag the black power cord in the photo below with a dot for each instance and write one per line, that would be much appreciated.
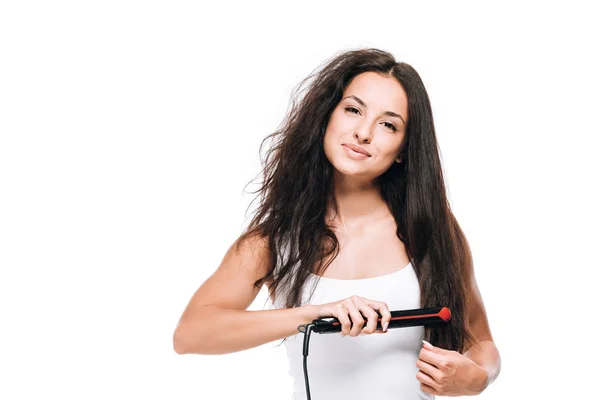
(306, 329)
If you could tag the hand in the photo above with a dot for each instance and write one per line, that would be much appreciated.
(352, 308)
(449, 373)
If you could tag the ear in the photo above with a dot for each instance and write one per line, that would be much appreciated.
(400, 154)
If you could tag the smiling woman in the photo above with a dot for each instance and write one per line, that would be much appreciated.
(353, 193)
(366, 128)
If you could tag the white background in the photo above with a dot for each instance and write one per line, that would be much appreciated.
(130, 129)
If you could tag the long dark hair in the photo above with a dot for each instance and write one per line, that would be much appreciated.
(296, 191)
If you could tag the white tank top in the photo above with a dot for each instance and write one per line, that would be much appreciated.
(373, 366)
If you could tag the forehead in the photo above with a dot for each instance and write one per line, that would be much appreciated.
(379, 92)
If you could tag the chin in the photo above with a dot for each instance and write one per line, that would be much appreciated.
(351, 169)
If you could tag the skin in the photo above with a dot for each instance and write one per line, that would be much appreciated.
(366, 230)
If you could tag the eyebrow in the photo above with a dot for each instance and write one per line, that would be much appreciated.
(362, 103)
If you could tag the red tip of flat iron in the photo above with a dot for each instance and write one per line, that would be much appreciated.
(445, 314)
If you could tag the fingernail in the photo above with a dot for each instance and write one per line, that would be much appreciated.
(385, 326)
(427, 344)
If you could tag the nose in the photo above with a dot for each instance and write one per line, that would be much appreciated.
(363, 133)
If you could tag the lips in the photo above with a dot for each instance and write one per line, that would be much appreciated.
(356, 148)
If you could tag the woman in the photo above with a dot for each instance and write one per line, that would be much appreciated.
(353, 200)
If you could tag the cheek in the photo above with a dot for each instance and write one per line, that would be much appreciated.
(328, 144)
(333, 133)
(393, 145)
(393, 150)
(338, 123)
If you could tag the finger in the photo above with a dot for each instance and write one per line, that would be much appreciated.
(384, 311)
(341, 313)
(357, 319)
(430, 370)
(428, 389)
(427, 380)
(371, 315)
(431, 357)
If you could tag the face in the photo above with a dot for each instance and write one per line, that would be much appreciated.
(362, 119)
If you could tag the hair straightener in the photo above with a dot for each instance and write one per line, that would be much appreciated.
(399, 319)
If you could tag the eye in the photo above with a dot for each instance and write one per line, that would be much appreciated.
(388, 125)
(392, 127)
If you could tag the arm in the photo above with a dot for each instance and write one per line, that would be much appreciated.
(449, 373)
(218, 330)
(484, 352)
(486, 355)
(216, 320)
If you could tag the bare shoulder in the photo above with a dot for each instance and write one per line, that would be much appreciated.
(250, 256)
(231, 285)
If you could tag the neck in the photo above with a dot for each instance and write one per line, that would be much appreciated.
(357, 202)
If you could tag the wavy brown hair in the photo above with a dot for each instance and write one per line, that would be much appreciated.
(296, 191)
